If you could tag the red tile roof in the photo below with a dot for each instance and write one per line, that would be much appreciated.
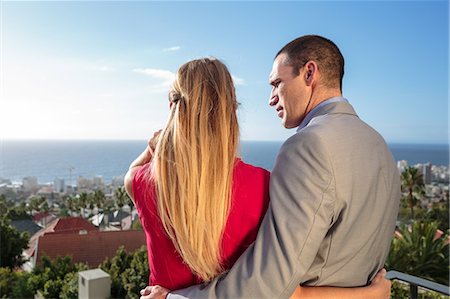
(40, 216)
(72, 224)
(60, 225)
(92, 247)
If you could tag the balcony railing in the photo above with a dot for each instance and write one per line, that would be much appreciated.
(415, 282)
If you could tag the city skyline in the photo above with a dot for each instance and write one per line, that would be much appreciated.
(102, 70)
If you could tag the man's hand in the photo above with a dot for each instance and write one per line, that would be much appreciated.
(381, 285)
(154, 292)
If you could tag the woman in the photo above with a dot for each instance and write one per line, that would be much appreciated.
(200, 205)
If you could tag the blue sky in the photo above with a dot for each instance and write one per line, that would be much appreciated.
(102, 70)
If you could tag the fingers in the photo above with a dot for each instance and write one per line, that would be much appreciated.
(153, 292)
(154, 140)
(146, 291)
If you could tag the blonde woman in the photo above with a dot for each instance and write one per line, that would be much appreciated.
(199, 204)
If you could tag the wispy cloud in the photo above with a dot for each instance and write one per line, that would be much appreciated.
(166, 77)
(237, 80)
(101, 68)
(175, 48)
(156, 73)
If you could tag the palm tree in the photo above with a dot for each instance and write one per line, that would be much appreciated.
(83, 200)
(121, 199)
(413, 185)
(98, 198)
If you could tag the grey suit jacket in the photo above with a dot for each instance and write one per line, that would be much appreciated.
(334, 198)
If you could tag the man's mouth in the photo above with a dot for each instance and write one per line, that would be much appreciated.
(280, 111)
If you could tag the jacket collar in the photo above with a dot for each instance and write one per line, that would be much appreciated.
(335, 107)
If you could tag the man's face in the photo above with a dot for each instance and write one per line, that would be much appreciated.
(289, 93)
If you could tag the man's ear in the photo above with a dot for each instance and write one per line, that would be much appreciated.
(310, 72)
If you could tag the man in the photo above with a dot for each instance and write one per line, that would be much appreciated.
(334, 190)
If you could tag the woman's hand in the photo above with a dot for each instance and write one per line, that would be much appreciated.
(152, 142)
(143, 159)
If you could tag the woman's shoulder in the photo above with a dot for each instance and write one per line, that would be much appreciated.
(246, 168)
(142, 184)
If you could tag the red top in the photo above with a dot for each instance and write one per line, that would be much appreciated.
(249, 204)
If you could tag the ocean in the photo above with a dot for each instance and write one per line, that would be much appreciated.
(68, 160)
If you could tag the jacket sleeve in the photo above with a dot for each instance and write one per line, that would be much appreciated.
(299, 215)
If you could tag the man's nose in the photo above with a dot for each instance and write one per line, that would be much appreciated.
(273, 100)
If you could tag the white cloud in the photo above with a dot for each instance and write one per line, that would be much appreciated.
(157, 74)
(175, 48)
(165, 77)
(238, 81)
(102, 68)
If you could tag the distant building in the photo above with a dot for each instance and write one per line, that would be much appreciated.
(98, 183)
(79, 239)
(84, 184)
(69, 225)
(30, 183)
(401, 165)
(26, 225)
(46, 191)
(117, 181)
(6, 181)
(59, 185)
(43, 218)
(425, 169)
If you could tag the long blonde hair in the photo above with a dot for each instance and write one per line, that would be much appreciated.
(193, 163)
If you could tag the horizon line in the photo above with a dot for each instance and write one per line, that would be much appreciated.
(243, 140)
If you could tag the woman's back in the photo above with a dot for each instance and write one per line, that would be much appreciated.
(249, 201)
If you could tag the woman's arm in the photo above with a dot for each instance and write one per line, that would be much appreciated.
(380, 288)
(141, 160)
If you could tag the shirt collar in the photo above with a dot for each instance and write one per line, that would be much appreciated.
(311, 113)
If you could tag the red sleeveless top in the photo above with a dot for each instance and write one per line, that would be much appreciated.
(249, 203)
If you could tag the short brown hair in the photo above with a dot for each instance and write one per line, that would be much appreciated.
(319, 49)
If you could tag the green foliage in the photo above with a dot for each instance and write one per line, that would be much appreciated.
(52, 288)
(9, 210)
(69, 289)
(38, 204)
(137, 224)
(401, 290)
(13, 243)
(121, 198)
(439, 213)
(129, 272)
(57, 278)
(4, 207)
(14, 284)
(418, 254)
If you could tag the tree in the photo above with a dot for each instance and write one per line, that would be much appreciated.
(413, 185)
(419, 252)
(37, 203)
(56, 278)
(14, 284)
(83, 200)
(440, 213)
(4, 207)
(98, 198)
(121, 198)
(13, 243)
(129, 272)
